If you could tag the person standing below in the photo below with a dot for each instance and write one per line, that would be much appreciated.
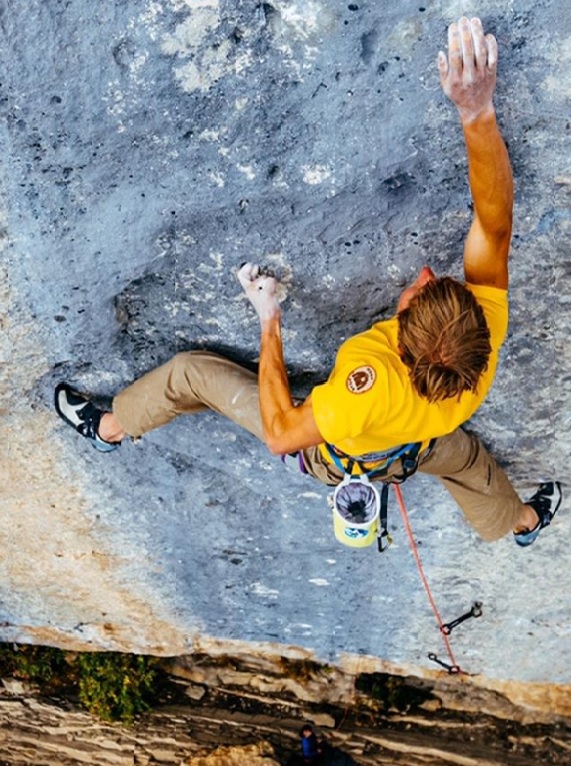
(310, 749)
(399, 392)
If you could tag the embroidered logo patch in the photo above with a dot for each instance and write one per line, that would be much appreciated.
(361, 380)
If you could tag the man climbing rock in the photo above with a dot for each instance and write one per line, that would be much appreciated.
(399, 393)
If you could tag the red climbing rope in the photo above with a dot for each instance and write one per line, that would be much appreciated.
(400, 500)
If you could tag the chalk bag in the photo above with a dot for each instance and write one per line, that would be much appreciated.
(356, 506)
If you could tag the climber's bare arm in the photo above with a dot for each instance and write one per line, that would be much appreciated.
(468, 77)
(287, 427)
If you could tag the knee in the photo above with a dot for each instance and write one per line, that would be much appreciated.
(197, 369)
(182, 358)
(179, 364)
(185, 359)
(489, 535)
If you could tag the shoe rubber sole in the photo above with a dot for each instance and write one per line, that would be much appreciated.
(524, 539)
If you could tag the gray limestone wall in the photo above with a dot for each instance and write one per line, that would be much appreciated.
(148, 149)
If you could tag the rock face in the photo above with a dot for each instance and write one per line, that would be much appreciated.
(257, 755)
(148, 149)
(251, 709)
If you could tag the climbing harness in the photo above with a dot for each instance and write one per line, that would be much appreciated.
(359, 509)
(409, 455)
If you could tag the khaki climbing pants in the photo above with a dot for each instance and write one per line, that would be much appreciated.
(194, 381)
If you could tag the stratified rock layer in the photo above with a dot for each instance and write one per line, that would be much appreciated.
(148, 149)
(237, 710)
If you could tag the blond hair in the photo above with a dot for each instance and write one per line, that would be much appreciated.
(444, 340)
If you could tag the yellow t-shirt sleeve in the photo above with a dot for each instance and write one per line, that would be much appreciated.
(349, 401)
(494, 302)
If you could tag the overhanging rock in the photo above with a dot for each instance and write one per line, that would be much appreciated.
(148, 150)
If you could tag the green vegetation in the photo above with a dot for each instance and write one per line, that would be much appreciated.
(40, 665)
(112, 686)
(116, 687)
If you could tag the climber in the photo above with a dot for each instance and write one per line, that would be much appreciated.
(400, 392)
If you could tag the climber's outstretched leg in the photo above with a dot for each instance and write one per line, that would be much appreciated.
(190, 382)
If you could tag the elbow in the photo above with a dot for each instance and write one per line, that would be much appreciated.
(499, 227)
(504, 238)
(275, 434)
(276, 439)
(274, 444)
(496, 230)
(503, 230)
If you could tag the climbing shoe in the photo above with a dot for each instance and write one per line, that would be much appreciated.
(545, 503)
(79, 413)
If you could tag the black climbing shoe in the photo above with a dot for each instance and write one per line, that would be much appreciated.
(545, 503)
(79, 413)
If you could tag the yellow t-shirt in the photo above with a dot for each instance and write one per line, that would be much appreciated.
(369, 406)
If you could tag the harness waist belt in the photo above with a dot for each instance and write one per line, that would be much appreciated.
(409, 453)
(371, 457)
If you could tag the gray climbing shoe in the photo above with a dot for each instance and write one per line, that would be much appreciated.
(79, 413)
(545, 502)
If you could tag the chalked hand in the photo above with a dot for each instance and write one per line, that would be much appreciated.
(261, 290)
(468, 74)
